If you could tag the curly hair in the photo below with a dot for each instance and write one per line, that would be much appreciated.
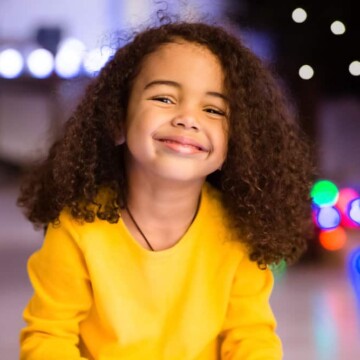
(266, 177)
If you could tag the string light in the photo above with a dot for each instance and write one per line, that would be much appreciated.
(299, 15)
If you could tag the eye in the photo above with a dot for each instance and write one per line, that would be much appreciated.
(163, 99)
(215, 111)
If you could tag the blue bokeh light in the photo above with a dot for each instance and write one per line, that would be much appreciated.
(353, 265)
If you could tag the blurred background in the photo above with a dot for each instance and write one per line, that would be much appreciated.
(50, 50)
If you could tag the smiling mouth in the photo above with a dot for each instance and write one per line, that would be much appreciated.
(167, 141)
(182, 145)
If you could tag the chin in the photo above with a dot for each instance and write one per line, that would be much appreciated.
(181, 174)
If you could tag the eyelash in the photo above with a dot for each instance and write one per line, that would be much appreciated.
(163, 99)
(215, 112)
(167, 100)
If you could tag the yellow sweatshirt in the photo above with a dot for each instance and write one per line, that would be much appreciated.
(99, 295)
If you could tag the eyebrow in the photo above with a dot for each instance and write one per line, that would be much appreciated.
(177, 85)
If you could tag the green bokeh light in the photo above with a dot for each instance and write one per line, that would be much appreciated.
(279, 269)
(324, 193)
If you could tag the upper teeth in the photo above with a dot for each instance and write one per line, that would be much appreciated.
(173, 141)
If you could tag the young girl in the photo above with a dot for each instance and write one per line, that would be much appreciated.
(143, 258)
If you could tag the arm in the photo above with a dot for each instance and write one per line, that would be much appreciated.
(249, 328)
(61, 300)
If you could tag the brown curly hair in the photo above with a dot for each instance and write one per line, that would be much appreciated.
(265, 179)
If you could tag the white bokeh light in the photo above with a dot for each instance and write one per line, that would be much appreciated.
(40, 63)
(11, 63)
(96, 59)
(68, 64)
(306, 72)
(354, 210)
(73, 44)
(69, 58)
(299, 15)
(354, 68)
(338, 28)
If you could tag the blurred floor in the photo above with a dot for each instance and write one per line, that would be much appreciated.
(317, 311)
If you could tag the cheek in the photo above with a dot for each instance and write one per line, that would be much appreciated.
(134, 124)
(222, 139)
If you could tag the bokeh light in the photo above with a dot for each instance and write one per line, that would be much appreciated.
(306, 72)
(40, 63)
(346, 195)
(324, 193)
(334, 239)
(69, 58)
(96, 59)
(328, 217)
(354, 210)
(314, 213)
(354, 270)
(279, 269)
(299, 15)
(11, 63)
(354, 68)
(354, 260)
(338, 27)
(324, 326)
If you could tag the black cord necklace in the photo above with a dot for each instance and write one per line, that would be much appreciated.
(138, 227)
(143, 235)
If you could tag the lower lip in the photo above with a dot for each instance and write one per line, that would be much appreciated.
(181, 148)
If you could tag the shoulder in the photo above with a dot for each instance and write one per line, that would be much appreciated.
(217, 220)
(216, 211)
(88, 239)
(103, 197)
(79, 228)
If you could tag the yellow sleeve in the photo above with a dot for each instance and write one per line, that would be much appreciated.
(249, 328)
(61, 300)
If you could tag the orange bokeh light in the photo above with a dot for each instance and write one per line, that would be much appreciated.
(334, 239)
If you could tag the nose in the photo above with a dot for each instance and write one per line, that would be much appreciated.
(186, 121)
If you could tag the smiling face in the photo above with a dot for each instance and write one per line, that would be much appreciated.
(177, 116)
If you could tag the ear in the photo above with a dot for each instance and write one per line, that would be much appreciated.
(119, 137)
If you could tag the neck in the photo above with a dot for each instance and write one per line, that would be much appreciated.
(162, 209)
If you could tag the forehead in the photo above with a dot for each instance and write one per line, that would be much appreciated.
(183, 62)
